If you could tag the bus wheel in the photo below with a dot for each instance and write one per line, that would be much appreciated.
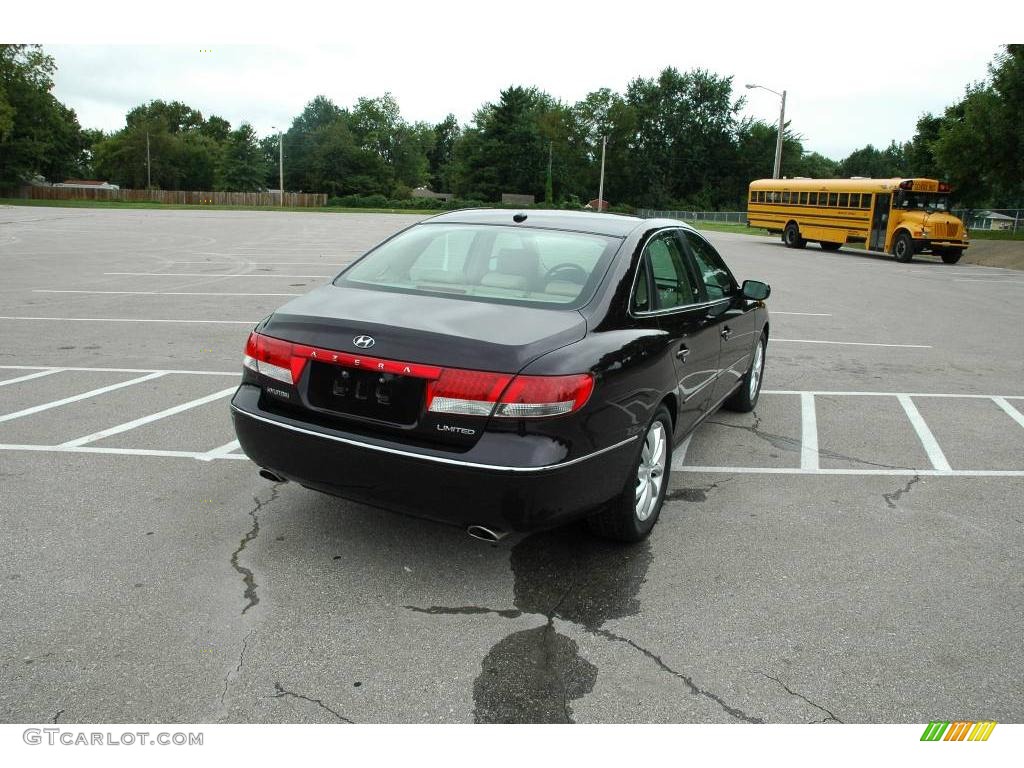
(791, 236)
(903, 247)
(827, 246)
(951, 256)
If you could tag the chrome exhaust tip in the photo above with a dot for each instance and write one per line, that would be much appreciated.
(272, 476)
(484, 533)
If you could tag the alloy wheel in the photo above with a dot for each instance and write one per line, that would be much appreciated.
(651, 473)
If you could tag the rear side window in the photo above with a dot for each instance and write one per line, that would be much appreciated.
(718, 281)
(672, 284)
(513, 265)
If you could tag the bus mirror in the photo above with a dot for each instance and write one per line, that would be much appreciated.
(755, 290)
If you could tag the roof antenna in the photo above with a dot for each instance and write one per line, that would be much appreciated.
(519, 218)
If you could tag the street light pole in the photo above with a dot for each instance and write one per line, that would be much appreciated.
(777, 171)
(600, 189)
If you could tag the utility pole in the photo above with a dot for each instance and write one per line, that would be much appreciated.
(149, 177)
(600, 189)
(549, 189)
(280, 162)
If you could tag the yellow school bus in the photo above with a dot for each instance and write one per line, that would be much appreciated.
(898, 216)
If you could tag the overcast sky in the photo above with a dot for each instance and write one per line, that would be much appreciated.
(850, 81)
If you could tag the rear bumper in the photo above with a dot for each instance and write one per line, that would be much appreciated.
(452, 489)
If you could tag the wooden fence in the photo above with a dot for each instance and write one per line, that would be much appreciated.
(268, 199)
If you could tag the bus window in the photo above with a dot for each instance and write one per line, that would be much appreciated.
(803, 198)
(813, 198)
(753, 196)
(865, 201)
(833, 198)
(785, 197)
(855, 200)
(760, 196)
(844, 199)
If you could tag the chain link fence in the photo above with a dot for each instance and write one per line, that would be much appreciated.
(977, 219)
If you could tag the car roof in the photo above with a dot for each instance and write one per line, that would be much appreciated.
(613, 224)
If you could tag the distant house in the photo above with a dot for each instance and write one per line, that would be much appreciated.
(509, 198)
(86, 184)
(597, 205)
(993, 220)
(429, 194)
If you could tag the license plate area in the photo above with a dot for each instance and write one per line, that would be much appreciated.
(365, 394)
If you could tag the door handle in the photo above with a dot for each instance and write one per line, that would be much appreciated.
(683, 352)
(726, 333)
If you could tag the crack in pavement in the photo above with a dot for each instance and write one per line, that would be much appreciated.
(694, 494)
(441, 610)
(739, 714)
(281, 693)
(238, 668)
(56, 716)
(892, 498)
(830, 715)
(247, 575)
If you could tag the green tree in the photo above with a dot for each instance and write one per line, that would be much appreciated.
(38, 134)
(441, 153)
(241, 166)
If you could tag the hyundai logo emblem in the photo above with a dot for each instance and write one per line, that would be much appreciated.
(363, 342)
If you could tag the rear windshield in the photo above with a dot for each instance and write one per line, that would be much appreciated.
(513, 265)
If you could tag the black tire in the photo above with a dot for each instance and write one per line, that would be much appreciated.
(903, 247)
(826, 246)
(619, 520)
(951, 256)
(791, 236)
(743, 400)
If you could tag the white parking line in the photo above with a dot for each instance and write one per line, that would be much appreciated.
(1012, 412)
(29, 376)
(55, 369)
(131, 320)
(924, 434)
(117, 451)
(204, 274)
(802, 314)
(148, 419)
(163, 293)
(880, 472)
(841, 393)
(680, 453)
(808, 433)
(76, 398)
(851, 343)
(221, 452)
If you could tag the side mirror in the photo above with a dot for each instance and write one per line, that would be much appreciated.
(755, 290)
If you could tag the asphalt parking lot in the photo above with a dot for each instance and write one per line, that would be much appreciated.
(850, 552)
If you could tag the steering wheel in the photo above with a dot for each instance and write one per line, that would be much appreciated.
(569, 272)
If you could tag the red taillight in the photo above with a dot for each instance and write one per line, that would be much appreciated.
(470, 393)
(944, 186)
(477, 393)
(273, 357)
(532, 396)
(908, 184)
(449, 390)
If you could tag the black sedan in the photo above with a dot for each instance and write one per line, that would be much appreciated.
(505, 371)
